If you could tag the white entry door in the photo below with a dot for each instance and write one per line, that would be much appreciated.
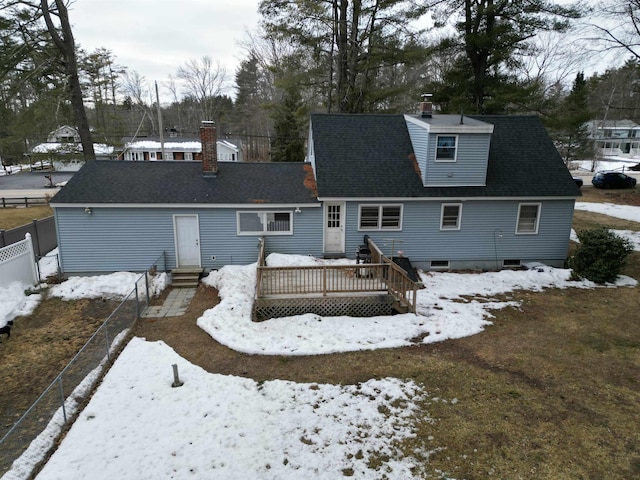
(187, 236)
(334, 227)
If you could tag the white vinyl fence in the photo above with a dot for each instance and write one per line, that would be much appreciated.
(18, 263)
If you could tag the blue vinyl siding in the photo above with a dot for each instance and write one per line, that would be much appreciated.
(486, 236)
(420, 142)
(470, 167)
(115, 239)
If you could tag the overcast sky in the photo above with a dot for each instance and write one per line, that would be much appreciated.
(155, 37)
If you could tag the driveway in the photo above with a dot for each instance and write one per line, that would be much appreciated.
(32, 180)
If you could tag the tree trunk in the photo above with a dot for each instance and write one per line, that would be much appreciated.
(343, 59)
(66, 45)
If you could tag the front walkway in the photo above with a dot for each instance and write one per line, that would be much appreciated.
(175, 305)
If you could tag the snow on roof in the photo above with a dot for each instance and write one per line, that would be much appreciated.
(69, 148)
(229, 145)
(190, 146)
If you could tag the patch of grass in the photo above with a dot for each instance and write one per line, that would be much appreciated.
(40, 346)
(583, 220)
(550, 390)
(623, 196)
(17, 216)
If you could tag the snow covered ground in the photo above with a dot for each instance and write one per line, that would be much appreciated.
(624, 212)
(609, 163)
(137, 427)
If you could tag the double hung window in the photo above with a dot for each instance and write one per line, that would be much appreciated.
(446, 148)
(265, 223)
(528, 218)
(380, 217)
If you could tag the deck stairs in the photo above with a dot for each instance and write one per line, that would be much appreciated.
(186, 277)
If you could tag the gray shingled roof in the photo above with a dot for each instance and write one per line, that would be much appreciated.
(360, 156)
(182, 182)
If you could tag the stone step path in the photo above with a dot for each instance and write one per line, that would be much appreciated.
(175, 304)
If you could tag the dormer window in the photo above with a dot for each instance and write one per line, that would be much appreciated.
(446, 148)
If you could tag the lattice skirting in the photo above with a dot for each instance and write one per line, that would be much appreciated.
(369, 306)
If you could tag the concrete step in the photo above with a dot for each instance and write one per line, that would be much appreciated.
(186, 277)
(184, 284)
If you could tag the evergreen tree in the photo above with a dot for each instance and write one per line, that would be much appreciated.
(569, 125)
(288, 115)
(351, 51)
(491, 38)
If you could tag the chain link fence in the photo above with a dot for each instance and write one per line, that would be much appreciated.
(37, 431)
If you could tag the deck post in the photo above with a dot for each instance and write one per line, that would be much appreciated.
(324, 281)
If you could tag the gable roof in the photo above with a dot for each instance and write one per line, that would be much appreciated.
(171, 182)
(368, 156)
(63, 131)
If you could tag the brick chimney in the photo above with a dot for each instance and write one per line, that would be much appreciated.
(426, 107)
(208, 140)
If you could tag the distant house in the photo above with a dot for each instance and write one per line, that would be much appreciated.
(615, 138)
(451, 192)
(63, 150)
(177, 148)
(64, 134)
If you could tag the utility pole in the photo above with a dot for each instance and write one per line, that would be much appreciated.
(160, 122)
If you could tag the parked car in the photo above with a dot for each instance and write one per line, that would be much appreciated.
(578, 181)
(613, 180)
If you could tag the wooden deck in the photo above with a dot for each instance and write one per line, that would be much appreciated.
(369, 287)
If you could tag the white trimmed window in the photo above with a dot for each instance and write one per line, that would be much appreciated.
(380, 217)
(265, 223)
(450, 216)
(528, 218)
(446, 148)
(188, 155)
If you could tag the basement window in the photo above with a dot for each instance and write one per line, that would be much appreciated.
(265, 223)
(511, 263)
(439, 264)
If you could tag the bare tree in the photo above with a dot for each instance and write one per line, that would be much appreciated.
(622, 31)
(554, 60)
(203, 82)
(135, 87)
(62, 37)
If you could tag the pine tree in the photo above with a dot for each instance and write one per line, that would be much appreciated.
(288, 144)
(569, 124)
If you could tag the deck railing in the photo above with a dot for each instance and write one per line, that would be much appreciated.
(399, 284)
(321, 279)
(382, 275)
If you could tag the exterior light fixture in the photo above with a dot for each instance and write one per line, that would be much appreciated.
(87, 210)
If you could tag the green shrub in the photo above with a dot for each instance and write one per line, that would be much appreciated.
(600, 255)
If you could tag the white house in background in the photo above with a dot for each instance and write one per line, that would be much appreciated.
(64, 134)
(150, 149)
(615, 138)
(228, 151)
(63, 150)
